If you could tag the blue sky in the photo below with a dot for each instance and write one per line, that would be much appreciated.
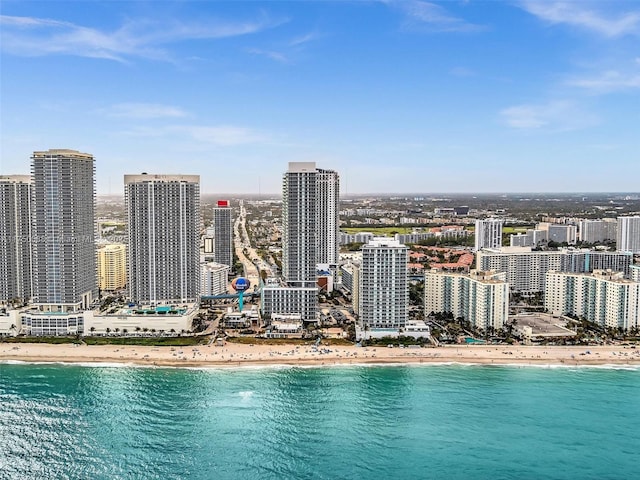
(398, 96)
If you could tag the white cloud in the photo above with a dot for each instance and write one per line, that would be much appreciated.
(431, 17)
(553, 116)
(578, 14)
(272, 54)
(144, 110)
(215, 135)
(309, 37)
(31, 36)
(609, 81)
(223, 136)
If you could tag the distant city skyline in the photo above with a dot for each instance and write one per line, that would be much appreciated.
(401, 97)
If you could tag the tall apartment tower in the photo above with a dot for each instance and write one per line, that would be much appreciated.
(223, 233)
(628, 238)
(383, 284)
(63, 230)
(328, 225)
(299, 224)
(164, 237)
(488, 233)
(15, 238)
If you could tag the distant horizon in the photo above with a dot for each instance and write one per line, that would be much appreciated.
(406, 194)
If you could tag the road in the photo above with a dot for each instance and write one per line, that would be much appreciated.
(241, 242)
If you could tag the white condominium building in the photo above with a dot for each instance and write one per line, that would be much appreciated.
(488, 233)
(628, 238)
(299, 224)
(526, 269)
(63, 230)
(15, 238)
(309, 236)
(164, 237)
(602, 297)
(482, 298)
(328, 196)
(383, 285)
(563, 234)
(286, 300)
(214, 278)
(594, 231)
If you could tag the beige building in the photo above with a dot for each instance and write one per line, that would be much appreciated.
(112, 266)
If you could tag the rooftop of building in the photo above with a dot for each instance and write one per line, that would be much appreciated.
(16, 178)
(152, 177)
(62, 152)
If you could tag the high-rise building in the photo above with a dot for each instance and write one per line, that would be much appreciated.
(112, 266)
(327, 211)
(299, 224)
(488, 233)
(603, 297)
(628, 238)
(481, 298)
(63, 230)
(223, 233)
(383, 284)
(309, 237)
(15, 238)
(164, 237)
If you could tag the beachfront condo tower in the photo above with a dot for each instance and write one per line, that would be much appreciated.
(383, 284)
(63, 230)
(15, 238)
(163, 214)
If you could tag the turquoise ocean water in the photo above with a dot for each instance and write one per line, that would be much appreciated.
(431, 422)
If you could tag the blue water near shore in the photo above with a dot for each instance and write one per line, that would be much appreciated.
(404, 422)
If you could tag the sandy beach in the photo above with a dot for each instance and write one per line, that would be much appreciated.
(233, 355)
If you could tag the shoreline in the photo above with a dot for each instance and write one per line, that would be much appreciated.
(241, 355)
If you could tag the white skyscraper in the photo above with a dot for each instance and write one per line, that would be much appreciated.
(309, 237)
(628, 238)
(15, 237)
(383, 284)
(488, 233)
(63, 229)
(223, 233)
(164, 242)
(300, 224)
(328, 225)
